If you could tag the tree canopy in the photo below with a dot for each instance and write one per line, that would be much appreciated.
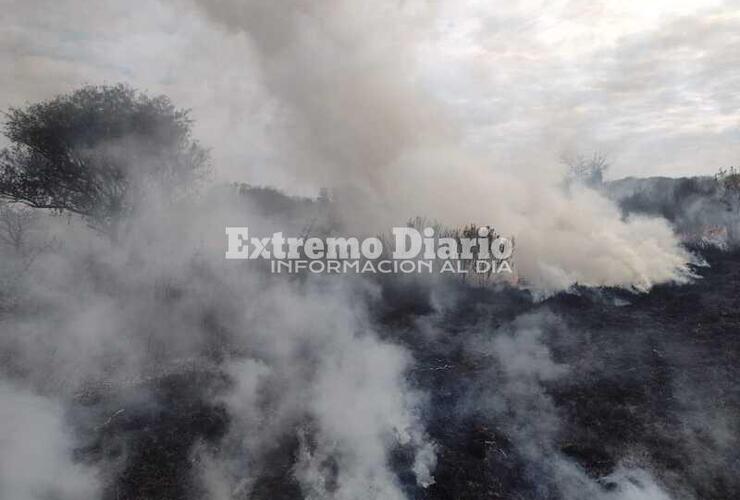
(96, 151)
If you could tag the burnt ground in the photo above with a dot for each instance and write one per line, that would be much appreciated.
(651, 381)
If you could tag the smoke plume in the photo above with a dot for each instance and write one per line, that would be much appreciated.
(357, 119)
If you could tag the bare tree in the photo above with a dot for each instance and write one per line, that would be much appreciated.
(588, 170)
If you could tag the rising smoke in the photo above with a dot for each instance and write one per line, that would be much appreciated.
(357, 121)
(313, 390)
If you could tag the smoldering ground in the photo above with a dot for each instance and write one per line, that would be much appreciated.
(168, 372)
(157, 369)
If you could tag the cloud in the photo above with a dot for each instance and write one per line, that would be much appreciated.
(648, 84)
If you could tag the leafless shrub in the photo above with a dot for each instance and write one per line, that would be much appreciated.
(588, 170)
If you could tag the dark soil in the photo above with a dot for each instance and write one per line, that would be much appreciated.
(650, 377)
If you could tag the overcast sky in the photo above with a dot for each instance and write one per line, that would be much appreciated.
(655, 84)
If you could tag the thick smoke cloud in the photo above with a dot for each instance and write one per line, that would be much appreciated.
(350, 106)
(326, 374)
(360, 122)
(307, 380)
(93, 321)
(36, 453)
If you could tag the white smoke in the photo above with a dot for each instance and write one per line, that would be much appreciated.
(515, 397)
(323, 373)
(357, 119)
(303, 357)
(36, 460)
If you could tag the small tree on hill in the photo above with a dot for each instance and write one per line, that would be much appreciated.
(97, 151)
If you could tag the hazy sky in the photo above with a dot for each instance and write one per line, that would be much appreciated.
(655, 84)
